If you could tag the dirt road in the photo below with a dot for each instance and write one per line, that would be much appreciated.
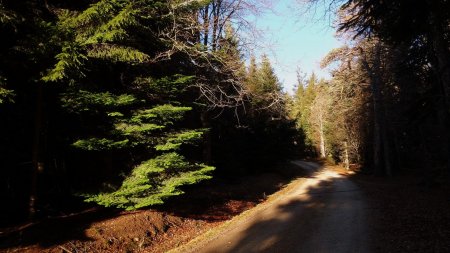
(323, 213)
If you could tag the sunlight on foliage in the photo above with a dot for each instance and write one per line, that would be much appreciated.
(153, 181)
(186, 137)
(128, 129)
(117, 53)
(70, 59)
(157, 178)
(86, 101)
(165, 114)
(96, 144)
(7, 17)
(169, 85)
(5, 94)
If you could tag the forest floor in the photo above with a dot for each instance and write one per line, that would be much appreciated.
(407, 213)
(404, 215)
(183, 218)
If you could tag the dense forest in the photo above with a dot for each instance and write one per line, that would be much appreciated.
(125, 103)
(387, 103)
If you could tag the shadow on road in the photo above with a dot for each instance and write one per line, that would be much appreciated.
(326, 217)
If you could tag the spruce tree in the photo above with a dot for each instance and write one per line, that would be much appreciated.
(268, 81)
(251, 81)
(106, 64)
(304, 99)
(263, 85)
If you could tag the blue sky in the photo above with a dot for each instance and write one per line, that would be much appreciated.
(296, 38)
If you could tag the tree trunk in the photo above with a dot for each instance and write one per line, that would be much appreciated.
(442, 54)
(196, 32)
(376, 140)
(216, 17)
(398, 153)
(207, 140)
(382, 116)
(322, 138)
(386, 147)
(37, 163)
(206, 26)
(441, 48)
(381, 143)
(346, 160)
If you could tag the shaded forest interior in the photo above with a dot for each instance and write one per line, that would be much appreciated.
(126, 104)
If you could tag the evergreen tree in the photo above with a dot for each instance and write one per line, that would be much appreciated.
(312, 112)
(265, 89)
(305, 102)
(134, 109)
(269, 133)
(251, 81)
(229, 51)
(297, 99)
(268, 81)
(113, 96)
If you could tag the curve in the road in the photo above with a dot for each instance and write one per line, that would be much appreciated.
(324, 213)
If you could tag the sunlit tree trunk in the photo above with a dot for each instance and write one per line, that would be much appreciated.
(217, 5)
(346, 160)
(206, 25)
(322, 138)
(317, 119)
